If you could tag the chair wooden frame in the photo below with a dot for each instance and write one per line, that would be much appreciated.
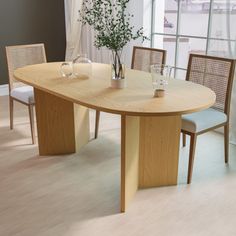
(11, 79)
(193, 136)
(150, 49)
(132, 67)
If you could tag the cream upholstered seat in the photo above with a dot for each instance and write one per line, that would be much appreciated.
(217, 74)
(24, 94)
(202, 120)
(19, 56)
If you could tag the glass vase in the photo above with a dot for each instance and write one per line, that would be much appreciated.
(117, 70)
(82, 66)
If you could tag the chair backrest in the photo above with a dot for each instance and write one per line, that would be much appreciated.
(23, 55)
(215, 73)
(144, 57)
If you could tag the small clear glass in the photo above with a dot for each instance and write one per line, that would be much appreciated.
(160, 76)
(82, 66)
(66, 69)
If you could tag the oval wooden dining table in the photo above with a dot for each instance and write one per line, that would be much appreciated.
(150, 126)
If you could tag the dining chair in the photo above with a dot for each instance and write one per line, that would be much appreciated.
(19, 56)
(217, 74)
(142, 59)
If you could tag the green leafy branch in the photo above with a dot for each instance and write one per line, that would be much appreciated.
(111, 23)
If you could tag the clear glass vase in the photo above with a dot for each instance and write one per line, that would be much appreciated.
(117, 70)
(117, 65)
(66, 69)
(82, 66)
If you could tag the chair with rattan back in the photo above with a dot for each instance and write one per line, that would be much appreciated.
(144, 57)
(217, 74)
(20, 56)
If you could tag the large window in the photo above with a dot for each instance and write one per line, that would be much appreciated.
(193, 26)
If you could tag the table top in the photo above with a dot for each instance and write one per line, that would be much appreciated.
(136, 99)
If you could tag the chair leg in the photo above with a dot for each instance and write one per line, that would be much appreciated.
(184, 139)
(226, 142)
(11, 106)
(97, 124)
(31, 116)
(193, 139)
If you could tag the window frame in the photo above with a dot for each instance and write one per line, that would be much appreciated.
(177, 35)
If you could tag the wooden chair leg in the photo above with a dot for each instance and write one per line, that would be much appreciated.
(193, 139)
(97, 124)
(184, 139)
(226, 142)
(11, 106)
(31, 116)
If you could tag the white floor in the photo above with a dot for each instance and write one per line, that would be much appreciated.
(79, 194)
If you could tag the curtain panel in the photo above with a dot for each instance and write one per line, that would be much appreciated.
(233, 115)
(73, 28)
(80, 38)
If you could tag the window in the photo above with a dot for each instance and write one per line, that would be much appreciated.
(193, 26)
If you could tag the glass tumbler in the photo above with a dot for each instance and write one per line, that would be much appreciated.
(160, 75)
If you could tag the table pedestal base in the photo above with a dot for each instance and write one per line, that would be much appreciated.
(149, 145)
(63, 127)
(149, 153)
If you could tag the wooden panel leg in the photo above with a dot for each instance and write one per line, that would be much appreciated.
(193, 139)
(159, 150)
(129, 159)
(31, 117)
(59, 124)
(97, 124)
(226, 142)
(184, 139)
(81, 121)
(11, 107)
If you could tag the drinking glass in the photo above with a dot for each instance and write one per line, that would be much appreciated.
(160, 76)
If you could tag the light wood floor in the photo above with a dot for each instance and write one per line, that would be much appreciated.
(79, 194)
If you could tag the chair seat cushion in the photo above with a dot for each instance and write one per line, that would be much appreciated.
(202, 120)
(24, 94)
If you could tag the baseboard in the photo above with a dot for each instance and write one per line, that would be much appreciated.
(4, 90)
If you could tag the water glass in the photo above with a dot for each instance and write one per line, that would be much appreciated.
(160, 75)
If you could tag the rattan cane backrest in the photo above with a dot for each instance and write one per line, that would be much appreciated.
(144, 57)
(23, 55)
(215, 73)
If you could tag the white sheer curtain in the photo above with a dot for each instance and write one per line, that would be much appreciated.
(80, 38)
(73, 28)
(233, 116)
(223, 26)
(103, 55)
(87, 46)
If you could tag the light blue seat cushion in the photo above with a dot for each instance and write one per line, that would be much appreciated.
(202, 120)
(24, 94)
